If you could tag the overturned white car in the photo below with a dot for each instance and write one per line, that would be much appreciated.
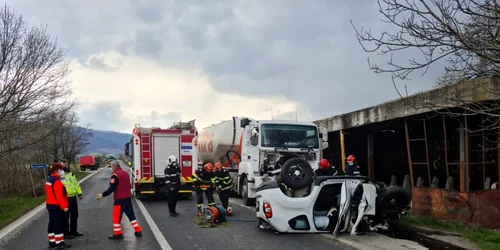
(330, 204)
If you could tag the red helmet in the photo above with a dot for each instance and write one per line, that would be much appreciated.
(323, 164)
(209, 167)
(351, 158)
(218, 166)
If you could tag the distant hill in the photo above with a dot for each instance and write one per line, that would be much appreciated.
(107, 142)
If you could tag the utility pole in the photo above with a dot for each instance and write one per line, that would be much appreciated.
(295, 113)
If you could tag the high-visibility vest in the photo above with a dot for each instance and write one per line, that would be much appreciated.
(71, 184)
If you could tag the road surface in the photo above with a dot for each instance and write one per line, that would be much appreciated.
(179, 232)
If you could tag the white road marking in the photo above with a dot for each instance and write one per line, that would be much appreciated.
(154, 228)
(19, 222)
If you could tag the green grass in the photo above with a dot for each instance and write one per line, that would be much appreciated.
(486, 239)
(80, 175)
(12, 208)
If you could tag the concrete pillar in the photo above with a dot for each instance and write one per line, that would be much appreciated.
(370, 147)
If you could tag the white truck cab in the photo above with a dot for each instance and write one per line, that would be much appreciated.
(266, 148)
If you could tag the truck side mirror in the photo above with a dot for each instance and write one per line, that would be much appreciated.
(244, 122)
(127, 145)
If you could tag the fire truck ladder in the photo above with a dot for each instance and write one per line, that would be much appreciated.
(146, 153)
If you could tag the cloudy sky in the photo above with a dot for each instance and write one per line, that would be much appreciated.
(154, 62)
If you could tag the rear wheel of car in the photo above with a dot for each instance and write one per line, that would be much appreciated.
(392, 200)
(296, 173)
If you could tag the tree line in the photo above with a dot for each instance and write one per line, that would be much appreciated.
(38, 123)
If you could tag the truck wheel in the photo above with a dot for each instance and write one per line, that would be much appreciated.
(392, 200)
(244, 193)
(296, 173)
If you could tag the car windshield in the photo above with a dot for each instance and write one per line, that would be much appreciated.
(289, 136)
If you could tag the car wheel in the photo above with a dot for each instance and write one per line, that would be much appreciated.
(392, 200)
(244, 193)
(296, 173)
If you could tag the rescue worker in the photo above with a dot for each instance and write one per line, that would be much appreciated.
(204, 182)
(73, 188)
(352, 167)
(172, 181)
(57, 205)
(119, 184)
(325, 169)
(224, 183)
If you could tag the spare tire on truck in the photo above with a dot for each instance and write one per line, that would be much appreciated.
(296, 173)
(392, 200)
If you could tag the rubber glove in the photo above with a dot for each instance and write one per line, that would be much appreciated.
(99, 196)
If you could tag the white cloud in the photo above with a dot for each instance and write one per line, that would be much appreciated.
(244, 55)
(145, 92)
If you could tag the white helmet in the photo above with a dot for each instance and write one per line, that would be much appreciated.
(172, 159)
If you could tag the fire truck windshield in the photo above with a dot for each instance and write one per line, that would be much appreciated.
(289, 136)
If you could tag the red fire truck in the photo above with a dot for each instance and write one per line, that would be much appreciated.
(150, 148)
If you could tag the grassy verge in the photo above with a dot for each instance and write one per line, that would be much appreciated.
(486, 239)
(80, 175)
(12, 208)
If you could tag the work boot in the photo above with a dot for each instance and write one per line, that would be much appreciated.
(76, 234)
(138, 233)
(68, 236)
(52, 245)
(63, 246)
(116, 237)
(173, 214)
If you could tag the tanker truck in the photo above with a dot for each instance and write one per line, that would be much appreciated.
(254, 151)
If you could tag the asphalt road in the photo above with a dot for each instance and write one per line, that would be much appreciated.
(180, 232)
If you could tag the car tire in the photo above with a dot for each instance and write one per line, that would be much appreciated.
(392, 200)
(304, 177)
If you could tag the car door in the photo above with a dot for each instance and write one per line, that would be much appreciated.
(344, 207)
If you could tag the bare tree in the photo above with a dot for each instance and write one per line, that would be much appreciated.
(33, 83)
(74, 139)
(465, 33)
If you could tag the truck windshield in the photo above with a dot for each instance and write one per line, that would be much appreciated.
(289, 136)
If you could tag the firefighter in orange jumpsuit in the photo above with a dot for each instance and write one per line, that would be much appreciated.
(57, 205)
(119, 184)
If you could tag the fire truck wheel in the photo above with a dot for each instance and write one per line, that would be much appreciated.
(296, 173)
(392, 200)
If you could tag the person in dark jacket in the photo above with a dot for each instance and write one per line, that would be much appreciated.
(224, 182)
(57, 205)
(119, 184)
(173, 183)
(325, 169)
(352, 167)
(204, 182)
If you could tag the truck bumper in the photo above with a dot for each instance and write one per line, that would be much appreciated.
(158, 188)
(186, 189)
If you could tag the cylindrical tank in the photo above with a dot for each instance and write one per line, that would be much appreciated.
(215, 141)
